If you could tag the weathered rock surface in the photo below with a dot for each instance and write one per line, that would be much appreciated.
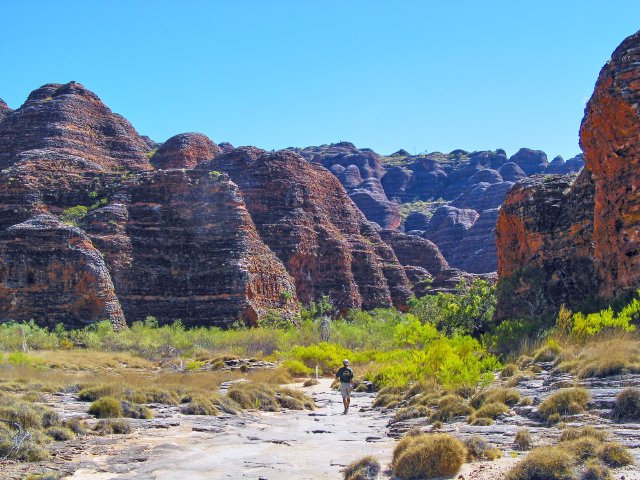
(572, 242)
(51, 272)
(610, 138)
(530, 161)
(476, 252)
(72, 120)
(185, 150)
(184, 247)
(305, 216)
(420, 257)
(4, 109)
(359, 171)
(448, 226)
(545, 249)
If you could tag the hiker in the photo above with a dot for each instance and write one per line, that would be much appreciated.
(345, 374)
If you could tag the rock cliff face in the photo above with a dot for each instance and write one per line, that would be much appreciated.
(576, 241)
(4, 109)
(610, 138)
(176, 244)
(51, 272)
(305, 216)
(184, 246)
(545, 251)
(359, 171)
(72, 120)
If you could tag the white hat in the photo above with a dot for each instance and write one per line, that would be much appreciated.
(345, 362)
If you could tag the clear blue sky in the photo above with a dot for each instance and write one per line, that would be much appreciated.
(418, 75)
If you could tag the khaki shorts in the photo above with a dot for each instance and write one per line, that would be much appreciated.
(345, 389)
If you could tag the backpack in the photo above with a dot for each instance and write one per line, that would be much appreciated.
(346, 375)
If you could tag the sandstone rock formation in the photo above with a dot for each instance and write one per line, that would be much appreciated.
(4, 109)
(51, 272)
(609, 137)
(545, 251)
(420, 258)
(185, 150)
(572, 242)
(305, 216)
(183, 246)
(359, 171)
(72, 120)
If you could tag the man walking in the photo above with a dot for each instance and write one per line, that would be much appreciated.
(345, 375)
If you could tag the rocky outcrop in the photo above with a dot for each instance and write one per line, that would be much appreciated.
(574, 242)
(4, 109)
(545, 250)
(359, 171)
(610, 139)
(476, 252)
(51, 272)
(186, 150)
(530, 161)
(448, 227)
(183, 246)
(415, 251)
(305, 216)
(72, 120)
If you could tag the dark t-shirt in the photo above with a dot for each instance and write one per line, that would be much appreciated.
(345, 374)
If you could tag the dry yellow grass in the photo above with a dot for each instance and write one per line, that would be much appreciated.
(602, 356)
(428, 456)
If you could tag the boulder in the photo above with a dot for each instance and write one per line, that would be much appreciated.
(186, 150)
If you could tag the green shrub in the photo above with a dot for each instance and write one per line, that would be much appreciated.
(627, 405)
(106, 407)
(367, 468)
(564, 402)
(297, 368)
(428, 456)
(544, 463)
(74, 215)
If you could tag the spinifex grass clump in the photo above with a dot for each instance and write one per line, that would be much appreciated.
(523, 439)
(548, 463)
(260, 396)
(106, 407)
(627, 405)
(367, 468)
(569, 401)
(428, 456)
(479, 449)
(451, 406)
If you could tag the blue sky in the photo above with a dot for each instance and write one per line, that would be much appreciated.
(418, 75)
